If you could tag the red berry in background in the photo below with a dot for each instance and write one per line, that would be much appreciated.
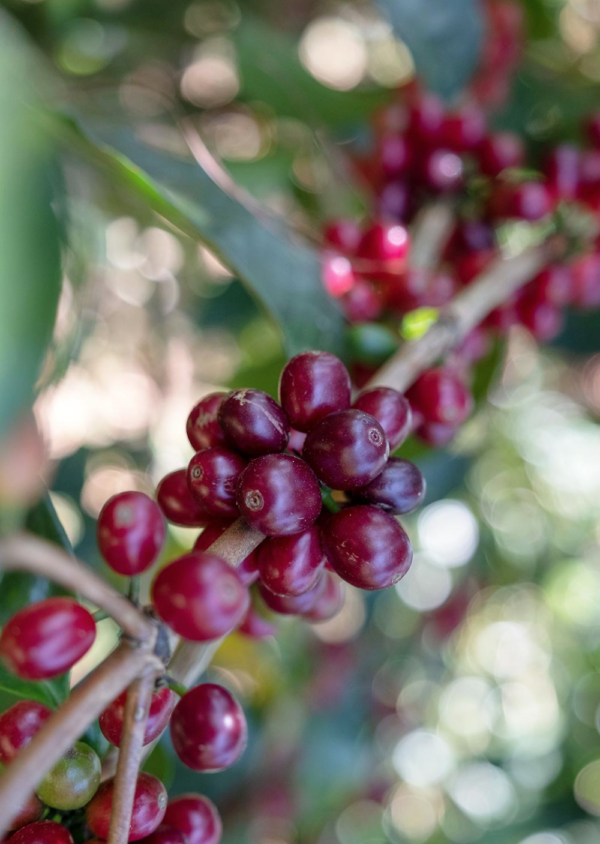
(395, 155)
(202, 425)
(425, 119)
(149, 805)
(400, 488)
(384, 243)
(254, 423)
(337, 274)
(347, 449)
(208, 729)
(442, 171)
(42, 832)
(464, 130)
(593, 128)
(18, 725)
(175, 500)
(247, 569)
(313, 385)
(330, 600)
(500, 151)
(395, 201)
(343, 234)
(470, 236)
(589, 172)
(391, 409)
(363, 303)
(255, 626)
(441, 396)
(468, 267)
(553, 285)
(279, 495)
(527, 201)
(543, 319)
(419, 288)
(212, 477)
(366, 547)
(166, 835)
(200, 597)
(195, 816)
(47, 638)
(162, 704)
(437, 434)
(562, 170)
(291, 565)
(130, 532)
(475, 346)
(293, 604)
(586, 281)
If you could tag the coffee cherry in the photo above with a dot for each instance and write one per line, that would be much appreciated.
(337, 274)
(30, 811)
(296, 604)
(197, 817)
(42, 832)
(212, 477)
(500, 151)
(73, 781)
(130, 532)
(396, 202)
(162, 704)
(425, 119)
(291, 565)
(254, 423)
(165, 835)
(47, 638)
(441, 396)
(247, 569)
(149, 806)
(366, 547)
(200, 597)
(391, 409)
(202, 427)
(175, 500)
(208, 729)
(563, 171)
(313, 385)
(586, 281)
(364, 302)
(442, 171)
(553, 285)
(347, 449)
(527, 201)
(418, 288)
(279, 495)
(464, 130)
(543, 319)
(383, 243)
(18, 725)
(329, 601)
(344, 235)
(256, 626)
(400, 488)
(437, 434)
(395, 156)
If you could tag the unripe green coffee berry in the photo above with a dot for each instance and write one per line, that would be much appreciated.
(73, 781)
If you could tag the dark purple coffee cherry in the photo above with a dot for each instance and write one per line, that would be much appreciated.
(203, 428)
(391, 409)
(175, 500)
(279, 495)
(254, 423)
(313, 385)
(295, 604)
(291, 565)
(212, 477)
(329, 601)
(347, 449)
(400, 488)
(366, 547)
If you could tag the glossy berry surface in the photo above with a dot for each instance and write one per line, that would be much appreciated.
(384, 242)
(346, 449)
(200, 597)
(247, 569)
(279, 495)
(212, 477)
(161, 706)
(400, 488)
(418, 288)
(42, 832)
(528, 201)
(291, 565)
(208, 728)
(130, 532)
(18, 725)
(166, 835)
(367, 547)
(329, 601)
(500, 151)
(73, 781)
(254, 423)
(391, 409)
(176, 502)
(312, 385)
(47, 638)
(442, 171)
(343, 234)
(464, 130)
(149, 806)
(441, 396)
(31, 810)
(202, 426)
(197, 817)
(293, 605)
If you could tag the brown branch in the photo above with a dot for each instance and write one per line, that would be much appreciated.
(130, 756)
(25, 552)
(430, 235)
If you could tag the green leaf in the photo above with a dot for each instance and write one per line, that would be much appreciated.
(444, 37)
(260, 249)
(14, 688)
(42, 520)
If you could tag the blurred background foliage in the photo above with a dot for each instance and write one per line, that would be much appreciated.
(181, 157)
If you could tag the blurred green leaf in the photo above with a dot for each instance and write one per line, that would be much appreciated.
(444, 37)
(45, 691)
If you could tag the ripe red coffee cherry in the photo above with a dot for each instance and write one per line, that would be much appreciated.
(329, 601)
(212, 477)
(162, 704)
(385, 242)
(563, 171)
(418, 288)
(586, 281)
(441, 396)
(337, 274)
(296, 604)
(437, 434)
(395, 155)
(343, 234)
(47, 638)
(247, 569)
(347, 449)
(396, 201)
(291, 565)
(254, 423)
(165, 835)
(313, 385)
(130, 532)
(208, 729)
(553, 285)
(425, 119)
(442, 171)
(149, 806)
(391, 409)
(279, 495)
(18, 725)
(202, 427)
(543, 319)
(200, 597)
(464, 130)
(528, 201)
(364, 302)
(197, 817)
(42, 832)
(400, 488)
(499, 151)
(176, 502)
(255, 626)
(366, 547)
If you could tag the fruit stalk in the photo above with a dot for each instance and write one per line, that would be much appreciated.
(432, 231)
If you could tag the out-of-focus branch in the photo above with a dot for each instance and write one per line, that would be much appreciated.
(430, 234)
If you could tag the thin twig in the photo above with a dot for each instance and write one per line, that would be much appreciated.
(130, 756)
(430, 235)
(25, 552)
